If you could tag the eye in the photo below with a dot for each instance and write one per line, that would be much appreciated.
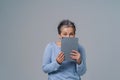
(65, 34)
(71, 34)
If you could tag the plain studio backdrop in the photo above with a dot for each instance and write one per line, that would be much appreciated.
(27, 26)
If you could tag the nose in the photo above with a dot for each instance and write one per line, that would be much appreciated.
(68, 36)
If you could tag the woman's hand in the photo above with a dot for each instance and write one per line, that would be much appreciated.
(75, 55)
(60, 57)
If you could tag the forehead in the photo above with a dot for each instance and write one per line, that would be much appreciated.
(67, 28)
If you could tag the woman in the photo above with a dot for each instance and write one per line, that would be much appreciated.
(53, 59)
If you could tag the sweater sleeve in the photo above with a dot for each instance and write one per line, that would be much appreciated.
(81, 68)
(47, 65)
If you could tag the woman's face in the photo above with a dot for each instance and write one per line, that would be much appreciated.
(67, 32)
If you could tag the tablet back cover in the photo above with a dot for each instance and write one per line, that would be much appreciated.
(69, 44)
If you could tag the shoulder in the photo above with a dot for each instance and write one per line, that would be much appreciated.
(81, 49)
(80, 46)
(50, 45)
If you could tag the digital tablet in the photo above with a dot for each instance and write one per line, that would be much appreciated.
(69, 44)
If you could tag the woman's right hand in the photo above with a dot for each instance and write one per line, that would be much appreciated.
(60, 58)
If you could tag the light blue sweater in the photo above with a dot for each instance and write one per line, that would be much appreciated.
(65, 71)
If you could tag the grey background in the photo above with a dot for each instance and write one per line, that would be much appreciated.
(26, 26)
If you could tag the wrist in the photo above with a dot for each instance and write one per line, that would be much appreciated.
(79, 61)
(58, 62)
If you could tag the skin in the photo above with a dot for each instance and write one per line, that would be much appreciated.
(75, 55)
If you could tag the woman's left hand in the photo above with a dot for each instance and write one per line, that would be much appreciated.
(75, 55)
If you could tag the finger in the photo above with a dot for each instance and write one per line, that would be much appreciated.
(60, 54)
(61, 59)
(74, 51)
(74, 54)
(73, 57)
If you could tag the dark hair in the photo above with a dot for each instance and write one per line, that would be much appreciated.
(68, 23)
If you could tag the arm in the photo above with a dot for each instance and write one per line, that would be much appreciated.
(81, 68)
(47, 65)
